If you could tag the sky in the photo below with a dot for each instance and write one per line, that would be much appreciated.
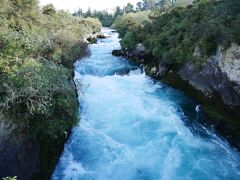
(73, 5)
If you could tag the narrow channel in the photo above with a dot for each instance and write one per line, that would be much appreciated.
(132, 127)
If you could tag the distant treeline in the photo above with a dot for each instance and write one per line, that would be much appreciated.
(107, 18)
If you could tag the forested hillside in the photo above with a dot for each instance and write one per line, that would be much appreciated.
(174, 33)
(38, 100)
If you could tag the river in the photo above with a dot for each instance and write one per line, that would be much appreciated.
(133, 127)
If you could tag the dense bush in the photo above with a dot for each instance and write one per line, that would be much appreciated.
(104, 17)
(37, 50)
(172, 35)
(130, 27)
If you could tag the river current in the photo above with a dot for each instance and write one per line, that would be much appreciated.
(134, 128)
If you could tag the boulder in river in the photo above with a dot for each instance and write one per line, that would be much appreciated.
(102, 35)
(92, 40)
(118, 52)
(138, 53)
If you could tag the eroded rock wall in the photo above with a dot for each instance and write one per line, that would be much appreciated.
(221, 74)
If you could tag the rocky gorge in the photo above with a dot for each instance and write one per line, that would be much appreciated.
(134, 127)
(215, 85)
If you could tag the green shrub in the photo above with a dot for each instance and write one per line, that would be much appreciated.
(129, 40)
(37, 50)
(49, 9)
(10, 178)
(130, 22)
(172, 35)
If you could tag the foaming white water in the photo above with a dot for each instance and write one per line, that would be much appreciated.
(131, 130)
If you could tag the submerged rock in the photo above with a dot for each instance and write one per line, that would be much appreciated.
(138, 54)
(118, 53)
(92, 39)
(103, 35)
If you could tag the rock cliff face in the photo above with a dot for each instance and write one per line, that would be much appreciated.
(229, 63)
(18, 157)
(220, 74)
(138, 54)
(26, 159)
(92, 38)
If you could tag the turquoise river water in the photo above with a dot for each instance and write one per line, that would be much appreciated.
(133, 128)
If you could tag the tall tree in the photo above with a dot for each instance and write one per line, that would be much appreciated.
(49, 9)
(139, 6)
(118, 12)
(129, 8)
(149, 4)
(88, 13)
(79, 13)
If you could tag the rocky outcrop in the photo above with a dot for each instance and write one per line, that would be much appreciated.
(229, 63)
(18, 157)
(138, 54)
(162, 68)
(102, 35)
(24, 158)
(214, 84)
(220, 74)
(118, 52)
(92, 38)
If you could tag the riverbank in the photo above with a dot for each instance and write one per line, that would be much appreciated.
(38, 99)
(50, 150)
(134, 127)
(223, 117)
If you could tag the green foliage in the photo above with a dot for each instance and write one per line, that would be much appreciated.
(128, 8)
(37, 50)
(104, 17)
(129, 27)
(172, 35)
(49, 9)
(118, 12)
(10, 178)
(129, 40)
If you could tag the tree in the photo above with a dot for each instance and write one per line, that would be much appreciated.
(79, 13)
(129, 8)
(88, 13)
(118, 12)
(26, 9)
(149, 4)
(129, 40)
(49, 9)
(26, 5)
(139, 6)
